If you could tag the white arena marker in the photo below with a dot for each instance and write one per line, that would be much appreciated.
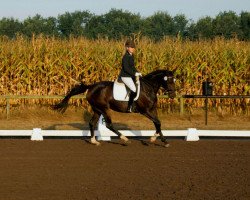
(192, 135)
(103, 130)
(36, 134)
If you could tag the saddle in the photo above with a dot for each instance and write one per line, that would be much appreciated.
(121, 92)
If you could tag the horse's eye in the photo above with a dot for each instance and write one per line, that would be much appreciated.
(165, 78)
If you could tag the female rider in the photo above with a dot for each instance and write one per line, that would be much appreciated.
(128, 72)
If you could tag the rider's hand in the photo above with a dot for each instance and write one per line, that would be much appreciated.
(138, 74)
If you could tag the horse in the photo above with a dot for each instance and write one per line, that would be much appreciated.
(100, 97)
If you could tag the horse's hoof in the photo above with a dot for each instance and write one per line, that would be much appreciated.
(124, 138)
(152, 139)
(94, 142)
(127, 142)
(167, 145)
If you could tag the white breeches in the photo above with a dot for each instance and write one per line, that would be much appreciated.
(129, 83)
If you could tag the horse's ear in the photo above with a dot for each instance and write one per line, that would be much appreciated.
(174, 70)
(175, 73)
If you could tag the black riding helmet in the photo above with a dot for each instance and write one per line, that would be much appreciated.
(130, 43)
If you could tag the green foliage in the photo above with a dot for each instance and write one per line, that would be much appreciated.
(117, 24)
(113, 25)
(10, 27)
(73, 23)
(204, 28)
(180, 25)
(245, 25)
(227, 24)
(159, 25)
(38, 25)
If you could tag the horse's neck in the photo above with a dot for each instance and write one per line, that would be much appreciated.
(152, 84)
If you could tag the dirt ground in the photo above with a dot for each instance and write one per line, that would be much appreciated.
(58, 169)
(68, 169)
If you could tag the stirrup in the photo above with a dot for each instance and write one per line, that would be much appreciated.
(129, 109)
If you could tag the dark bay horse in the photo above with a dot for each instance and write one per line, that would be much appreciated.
(100, 97)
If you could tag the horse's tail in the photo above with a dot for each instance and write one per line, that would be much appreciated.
(78, 89)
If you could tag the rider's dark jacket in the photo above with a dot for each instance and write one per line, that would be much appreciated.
(128, 66)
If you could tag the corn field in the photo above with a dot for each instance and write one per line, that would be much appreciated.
(50, 66)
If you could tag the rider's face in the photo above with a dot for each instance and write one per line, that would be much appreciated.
(131, 50)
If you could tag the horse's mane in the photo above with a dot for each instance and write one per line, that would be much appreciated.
(155, 73)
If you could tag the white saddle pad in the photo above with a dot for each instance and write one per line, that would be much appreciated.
(121, 93)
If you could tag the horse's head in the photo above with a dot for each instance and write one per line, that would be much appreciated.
(168, 83)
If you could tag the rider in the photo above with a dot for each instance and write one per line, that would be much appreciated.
(128, 72)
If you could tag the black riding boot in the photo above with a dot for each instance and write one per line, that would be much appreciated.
(131, 101)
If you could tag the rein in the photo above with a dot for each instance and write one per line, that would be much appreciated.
(152, 83)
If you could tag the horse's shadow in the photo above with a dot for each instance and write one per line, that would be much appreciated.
(84, 126)
(78, 126)
(144, 142)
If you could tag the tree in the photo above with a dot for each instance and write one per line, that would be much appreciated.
(245, 25)
(159, 25)
(227, 24)
(113, 25)
(204, 28)
(180, 24)
(191, 32)
(50, 27)
(122, 23)
(73, 23)
(39, 25)
(118, 23)
(10, 27)
(96, 27)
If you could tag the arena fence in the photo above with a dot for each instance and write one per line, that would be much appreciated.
(206, 97)
(181, 99)
(102, 133)
(9, 97)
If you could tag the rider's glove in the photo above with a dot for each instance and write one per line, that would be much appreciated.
(138, 74)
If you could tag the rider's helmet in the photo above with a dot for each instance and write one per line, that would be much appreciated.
(130, 43)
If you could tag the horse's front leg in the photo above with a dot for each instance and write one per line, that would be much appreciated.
(153, 116)
(164, 140)
(154, 137)
(157, 124)
(158, 133)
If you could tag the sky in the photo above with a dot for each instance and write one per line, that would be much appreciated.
(192, 9)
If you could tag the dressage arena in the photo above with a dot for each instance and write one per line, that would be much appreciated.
(74, 169)
(71, 168)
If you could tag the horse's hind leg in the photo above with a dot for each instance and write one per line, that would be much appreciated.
(92, 125)
(110, 126)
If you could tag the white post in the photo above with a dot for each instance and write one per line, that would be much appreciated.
(192, 135)
(37, 134)
(102, 129)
